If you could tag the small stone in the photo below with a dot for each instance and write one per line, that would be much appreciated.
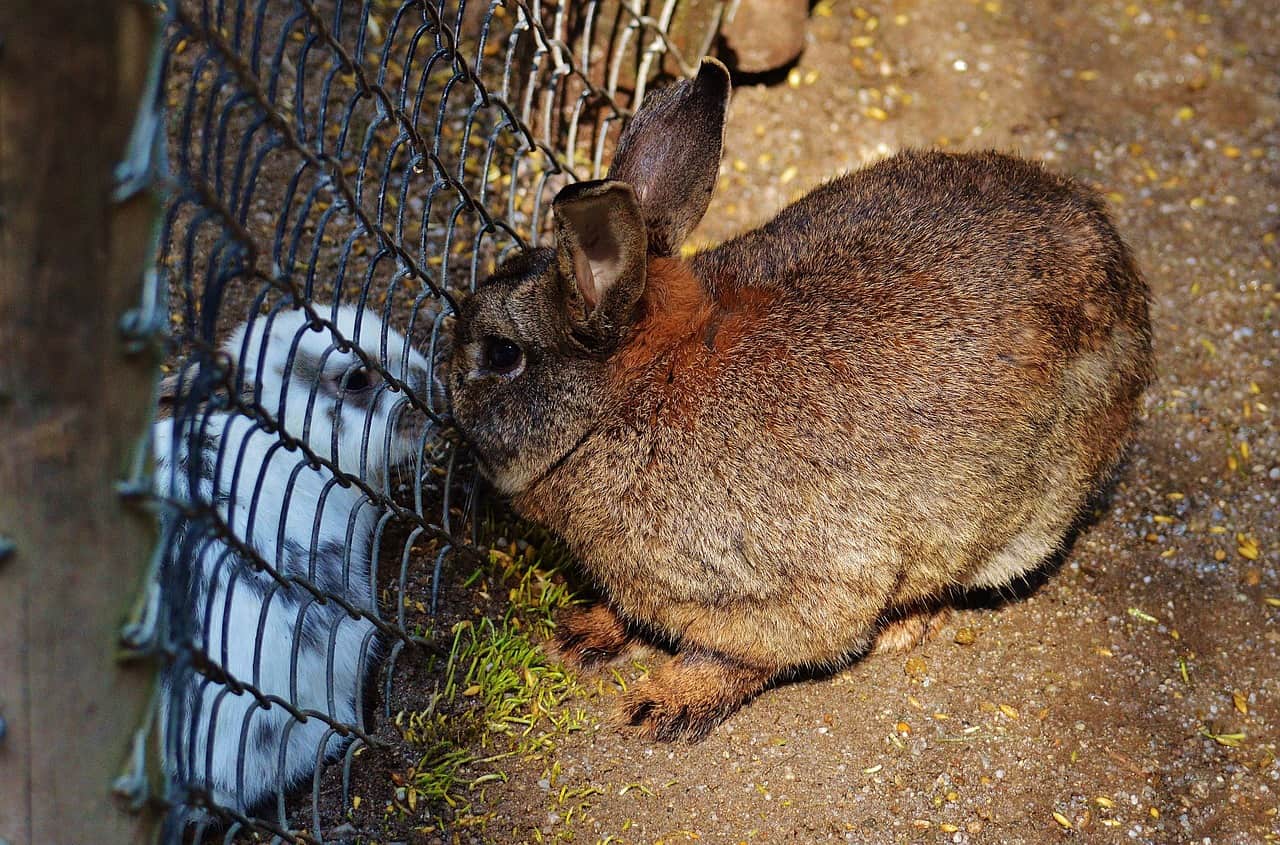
(764, 35)
(915, 667)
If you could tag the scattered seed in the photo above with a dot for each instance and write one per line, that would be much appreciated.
(1062, 820)
(1011, 712)
(1104, 802)
(1241, 702)
(871, 770)
(966, 636)
(1247, 546)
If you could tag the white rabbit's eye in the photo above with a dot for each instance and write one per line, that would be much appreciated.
(501, 355)
(358, 380)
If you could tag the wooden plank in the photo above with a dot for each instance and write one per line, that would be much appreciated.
(71, 407)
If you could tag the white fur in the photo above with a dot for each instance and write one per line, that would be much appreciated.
(270, 498)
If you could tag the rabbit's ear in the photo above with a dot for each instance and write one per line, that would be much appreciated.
(176, 385)
(670, 154)
(601, 254)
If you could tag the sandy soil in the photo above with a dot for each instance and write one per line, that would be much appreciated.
(1135, 693)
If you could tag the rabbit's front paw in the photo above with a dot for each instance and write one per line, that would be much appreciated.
(689, 696)
(590, 636)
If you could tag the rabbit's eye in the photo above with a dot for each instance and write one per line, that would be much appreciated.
(358, 380)
(501, 355)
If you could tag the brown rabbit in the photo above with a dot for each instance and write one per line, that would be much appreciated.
(906, 384)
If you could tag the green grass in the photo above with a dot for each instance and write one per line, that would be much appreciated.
(500, 697)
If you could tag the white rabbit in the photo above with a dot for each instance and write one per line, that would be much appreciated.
(309, 525)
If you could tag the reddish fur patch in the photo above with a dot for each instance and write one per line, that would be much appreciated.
(674, 309)
(664, 369)
(738, 309)
(681, 339)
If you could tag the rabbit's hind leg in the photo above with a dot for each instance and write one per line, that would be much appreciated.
(1026, 552)
(690, 694)
(590, 635)
(904, 631)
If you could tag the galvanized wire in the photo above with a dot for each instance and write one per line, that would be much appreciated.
(329, 163)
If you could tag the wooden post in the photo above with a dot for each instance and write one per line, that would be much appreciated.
(72, 406)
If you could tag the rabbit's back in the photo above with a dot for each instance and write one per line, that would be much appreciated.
(930, 293)
(968, 238)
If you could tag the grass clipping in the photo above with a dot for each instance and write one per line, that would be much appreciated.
(500, 696)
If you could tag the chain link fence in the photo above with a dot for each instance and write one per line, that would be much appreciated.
(335, 175)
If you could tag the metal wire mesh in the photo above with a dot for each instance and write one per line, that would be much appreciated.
(337, 175)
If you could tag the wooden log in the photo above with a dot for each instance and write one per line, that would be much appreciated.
(72, 407)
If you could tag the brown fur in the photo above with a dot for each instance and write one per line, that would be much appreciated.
(590, 635)
(905, 385)
(689, 695)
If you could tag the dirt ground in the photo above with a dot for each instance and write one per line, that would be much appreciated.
(1134, 694)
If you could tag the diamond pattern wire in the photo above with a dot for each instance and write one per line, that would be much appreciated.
(335, 175)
